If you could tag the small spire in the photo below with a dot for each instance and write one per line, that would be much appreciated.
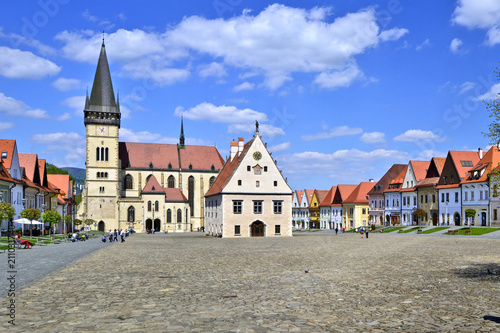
(257, 127)
(181, 138)
(102, 37)
(87, 100)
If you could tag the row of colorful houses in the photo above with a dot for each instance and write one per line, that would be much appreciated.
(461, 190)
(24, 183)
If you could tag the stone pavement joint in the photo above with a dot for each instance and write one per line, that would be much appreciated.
(191, 283)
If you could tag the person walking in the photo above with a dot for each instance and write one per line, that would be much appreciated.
(115, 236)
(362, 231)
(122, 235)
(367, 229)
(336, 230)
(110, 236)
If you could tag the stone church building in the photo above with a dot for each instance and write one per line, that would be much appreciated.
(140, 185)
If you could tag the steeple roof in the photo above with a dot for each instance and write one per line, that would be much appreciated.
(102, 96)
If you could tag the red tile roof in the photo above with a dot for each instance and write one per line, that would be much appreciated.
(328, 200)
(342, 193)
(459, 156)
(299, 197)
(8, 147)
(419, 169)
(171, 194)
(28, 162)
(163, 156)
(62, 182)
(489, 162)
(360, 194)
(321, 195)
(4, 174)
(381, 186)
(227, 171)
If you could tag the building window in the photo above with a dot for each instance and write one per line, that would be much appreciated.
(149, 206)
(169, 216)
(131, 214)
(442, 197)
(465, 196)
(275, 183)
(364, 210)
(351, 211)
(179, 216)
(257, 183)
(265, 169)
(257, 207)
(212, 181)
(101, 189)
(495, 214)
(456, 196)
(249, 168)
(239, 182)
(237, 230)
(171, 181)
(447, 197)
(157, 205)
(237, 206)
(277, 207)
(191, 194)
(277, 229)
(471, 195)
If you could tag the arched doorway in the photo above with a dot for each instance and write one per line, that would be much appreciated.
(101, 226)
(483, 219)
(435, 219)
(456, 217)
(257, 229)
(149, 224)
(157, 224)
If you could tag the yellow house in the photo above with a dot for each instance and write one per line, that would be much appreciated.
(314, 212)
(355, 207)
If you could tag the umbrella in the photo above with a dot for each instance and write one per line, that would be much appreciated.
(22, 221)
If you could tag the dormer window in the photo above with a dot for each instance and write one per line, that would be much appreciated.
(151, 165)
(190, 166)
(4, 154)
(170, 165)
(212, 168)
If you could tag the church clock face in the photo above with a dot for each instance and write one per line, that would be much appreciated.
(257, 155)
(102, 130)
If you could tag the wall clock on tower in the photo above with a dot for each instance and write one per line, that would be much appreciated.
(102, 130)
(257, 155)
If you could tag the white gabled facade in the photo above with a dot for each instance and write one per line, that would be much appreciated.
(250, 196)
(409, 202)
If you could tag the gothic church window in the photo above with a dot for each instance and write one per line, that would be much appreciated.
(149, 206)
(129, 182)
(212, 181)
(191, 194)
(171, 181)
(131, 214)
(169, 216)
(179, 216)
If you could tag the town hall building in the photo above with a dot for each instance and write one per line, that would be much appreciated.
(250, 197)
(142, 186)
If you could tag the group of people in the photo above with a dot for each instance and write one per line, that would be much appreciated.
(112, 236)
(75, 237)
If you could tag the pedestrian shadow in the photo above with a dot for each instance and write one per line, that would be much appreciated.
(481, 272)
(492, 318)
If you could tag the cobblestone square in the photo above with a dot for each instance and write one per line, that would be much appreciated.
(192, 283)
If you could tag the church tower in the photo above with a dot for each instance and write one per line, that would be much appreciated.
(102, 122)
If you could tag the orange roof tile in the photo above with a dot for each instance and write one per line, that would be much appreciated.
(381, 186)
(171, 194)
(419, 169)
(463, 156)
(7, 146)
(360, 194)
(342, 193)
(328, 200)
(4, 174)
(28, 162)
(489, 162)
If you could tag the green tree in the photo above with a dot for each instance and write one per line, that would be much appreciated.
(31, 214)
(470, 213)
(419, 214)
(493, 108)
(52, 217)
(7, 211)
(67, 219)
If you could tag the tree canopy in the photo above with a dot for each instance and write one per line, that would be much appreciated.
(7, 211)
(493, 108)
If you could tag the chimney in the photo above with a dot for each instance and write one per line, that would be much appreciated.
(234, 149)
(240, 144)
(370, 180)
(480, 152)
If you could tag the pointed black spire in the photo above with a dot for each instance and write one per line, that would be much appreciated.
(87, 100)
(101, 107)
(181, 138)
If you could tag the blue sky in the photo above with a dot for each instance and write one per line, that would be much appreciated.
(342, 89)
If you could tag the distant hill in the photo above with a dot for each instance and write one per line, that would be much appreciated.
(78, 173)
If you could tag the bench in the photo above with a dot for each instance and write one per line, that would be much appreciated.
(419, 231)
(468, 232)
(400, 230)
(450, 232)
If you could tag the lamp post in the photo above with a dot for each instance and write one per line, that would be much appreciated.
(446, 214)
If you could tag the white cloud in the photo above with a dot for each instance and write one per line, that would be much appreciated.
(16, 40)
(71, 144)
(417, 136)
(12, 107)
(493, 94)
(64, 84)
(213, 69)
(128, 135)
(466, 86)
(455, 45)
(17, 64)
(336, 79)
(6, 126)
(265, 130)
(425, 44)
(337, 131)
(427, 155)
(65, 116)
(76, 103)
(350, 166)
(275, 43)
(221, 114)
(279, 147)
(373, 137)
(244, 86)
(484, 14)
